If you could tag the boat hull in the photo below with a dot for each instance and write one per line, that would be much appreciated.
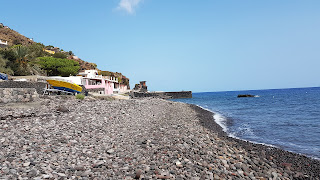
(65, 86)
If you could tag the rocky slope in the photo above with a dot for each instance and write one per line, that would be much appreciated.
(12, 36)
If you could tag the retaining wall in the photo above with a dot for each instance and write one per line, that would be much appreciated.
(96, 90)
(39, 86)
(9, 95)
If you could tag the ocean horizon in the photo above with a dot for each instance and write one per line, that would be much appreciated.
(285, 118)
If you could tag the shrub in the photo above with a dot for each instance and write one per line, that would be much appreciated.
(3, 66)
(59, 55)
(80, 96)
(71, 53)
(17, 42)
(49, 47)
(36, 50)
(106, 73)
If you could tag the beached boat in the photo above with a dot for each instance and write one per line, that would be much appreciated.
(65, 86)
(3, 76)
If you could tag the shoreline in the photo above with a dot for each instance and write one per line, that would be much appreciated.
(253, 142)
(300, 162)
(133, 139)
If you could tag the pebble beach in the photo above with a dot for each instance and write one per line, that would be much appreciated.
(65, 138)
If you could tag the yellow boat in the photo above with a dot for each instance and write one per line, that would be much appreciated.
(65, 86)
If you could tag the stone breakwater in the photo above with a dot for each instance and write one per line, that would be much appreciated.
(141, 139)
(162, 95)
(12, 95)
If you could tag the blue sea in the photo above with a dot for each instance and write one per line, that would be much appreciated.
(285, 118)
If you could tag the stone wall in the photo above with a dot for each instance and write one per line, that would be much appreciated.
(39, 86)
(10, 95)
(164, 95)
(96, 90)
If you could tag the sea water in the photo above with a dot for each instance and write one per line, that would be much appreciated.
(285, 118)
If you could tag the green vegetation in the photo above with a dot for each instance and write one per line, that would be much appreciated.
(3, 66)
(106, 73)
(25, 57)
(36, 50)
(49, 47)
(60, 55)
(19, 61)
(80, 96)
(59, 67)
(23, 60)
(121, 78)
(70, 53)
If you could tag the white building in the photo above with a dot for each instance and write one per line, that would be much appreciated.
(3, 43)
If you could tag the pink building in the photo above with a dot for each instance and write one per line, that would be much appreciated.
(101, 84)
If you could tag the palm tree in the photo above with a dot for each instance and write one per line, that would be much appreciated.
(24, 67)
(21, 53)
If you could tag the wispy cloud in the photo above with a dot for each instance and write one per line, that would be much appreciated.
(128, 5)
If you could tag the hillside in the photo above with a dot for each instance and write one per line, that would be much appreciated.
(22, 56)
(12, 36)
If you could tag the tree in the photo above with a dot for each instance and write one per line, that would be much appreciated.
(36, 50)
(8, 54)
(3, 66)
(58, 66)
(22, 66)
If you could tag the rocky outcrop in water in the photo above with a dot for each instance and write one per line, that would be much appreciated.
(245, 95)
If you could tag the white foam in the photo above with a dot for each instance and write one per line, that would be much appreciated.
(221, 120)
(218, 118)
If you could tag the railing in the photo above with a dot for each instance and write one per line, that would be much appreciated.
(111, 78)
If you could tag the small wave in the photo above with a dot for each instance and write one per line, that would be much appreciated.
(256, 96)
(218, 118)
(221, 120)
(245, 130)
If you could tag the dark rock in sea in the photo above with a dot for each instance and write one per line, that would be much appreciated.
(245, 95)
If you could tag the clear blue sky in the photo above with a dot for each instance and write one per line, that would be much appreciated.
(206, 45)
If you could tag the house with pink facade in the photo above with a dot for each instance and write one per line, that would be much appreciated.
(94, 82)
(97, 83)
